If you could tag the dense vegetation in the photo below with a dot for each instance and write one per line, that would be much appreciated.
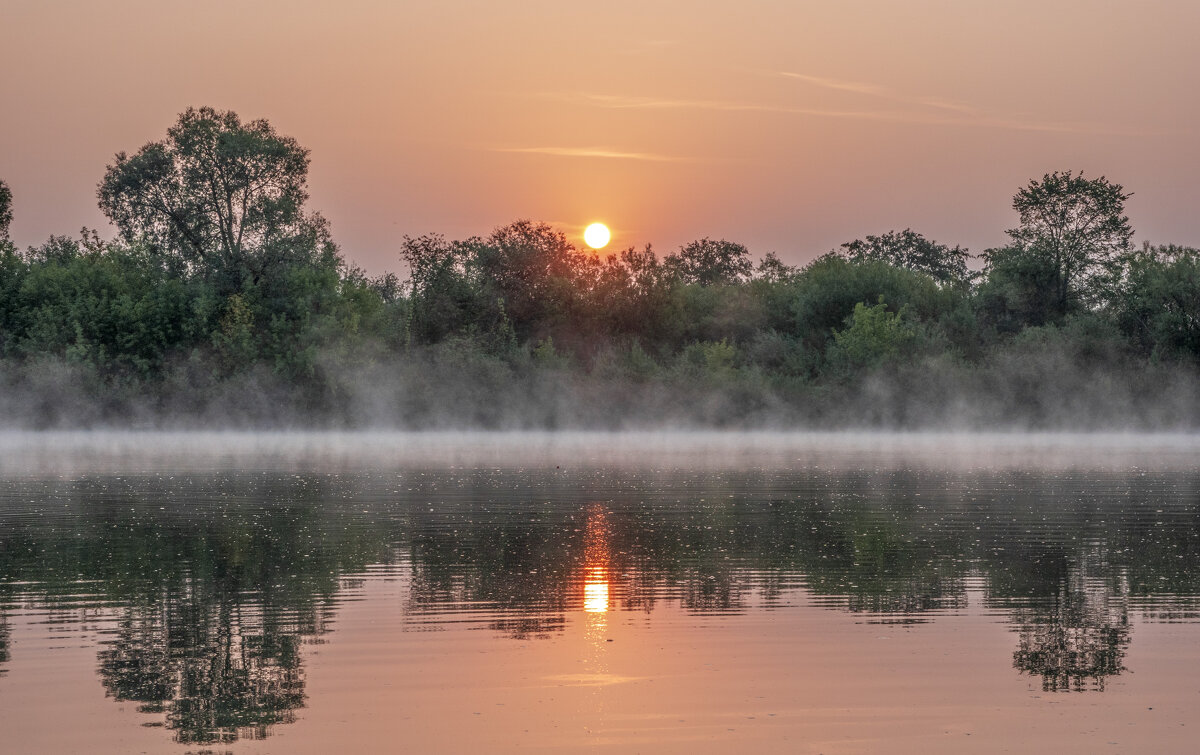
(225, 300)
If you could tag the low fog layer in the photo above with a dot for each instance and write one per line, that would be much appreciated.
(1041, 386)
(68, 454)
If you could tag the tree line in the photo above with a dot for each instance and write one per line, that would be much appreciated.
(224, 296)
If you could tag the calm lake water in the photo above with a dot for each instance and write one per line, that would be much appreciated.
(653, 593)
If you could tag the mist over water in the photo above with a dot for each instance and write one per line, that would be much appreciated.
(103, 452)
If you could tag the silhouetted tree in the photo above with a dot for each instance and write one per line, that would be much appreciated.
(913, 251)
(707, 262)
(225, 197)
(6, 215)
(1076, 226)
(629, 294)
(530, 272)
(772, 269)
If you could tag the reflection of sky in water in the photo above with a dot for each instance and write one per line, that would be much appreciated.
(206, 591)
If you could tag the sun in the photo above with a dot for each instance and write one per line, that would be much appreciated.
(597, 235)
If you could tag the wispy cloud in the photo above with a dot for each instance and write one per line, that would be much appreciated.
(874, 90)
(621, 102)
(945, 113)
(842, 86)
(599, 152)
(957, 107)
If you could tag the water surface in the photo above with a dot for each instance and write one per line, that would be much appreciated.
(652, 592)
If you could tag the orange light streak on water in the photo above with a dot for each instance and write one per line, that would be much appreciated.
(595, 591)
(596, 561)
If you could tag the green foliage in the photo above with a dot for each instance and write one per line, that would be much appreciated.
(545, 356)
(1158, 304)
(712, 360)
(638, 363)
(443, 299)
(875, 338)
(13, 269)
(629, 362)
(1038, 362)
(715, 313)
(632, 294)
(234, 337)
(772, 270)
(1020, 289)
(779, 354)
(828, 291)
(108, 305)
(222, 197)
(533, 269)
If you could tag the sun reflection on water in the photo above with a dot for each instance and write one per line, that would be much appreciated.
(596, 556)
(595, 590)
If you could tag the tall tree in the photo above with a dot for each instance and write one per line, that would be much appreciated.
(224, 197)
(1076, 226)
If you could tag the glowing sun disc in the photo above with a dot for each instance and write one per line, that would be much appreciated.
(597, 235)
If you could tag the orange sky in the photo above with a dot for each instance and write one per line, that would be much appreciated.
(789, 126)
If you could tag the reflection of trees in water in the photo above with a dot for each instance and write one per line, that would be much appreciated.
(911, 602)
(15, 547)
(892, 562)
(1068, 579)
(219, 596)
(527, 574)
(511, 572)
(218, 668)
(1076, 637)
(5, 638)
(1064, 565)
(214, 597)
(710, 559)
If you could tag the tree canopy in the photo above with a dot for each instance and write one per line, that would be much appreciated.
(225, 198)
(707, 262)
(1076, 225)
(913, 251)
